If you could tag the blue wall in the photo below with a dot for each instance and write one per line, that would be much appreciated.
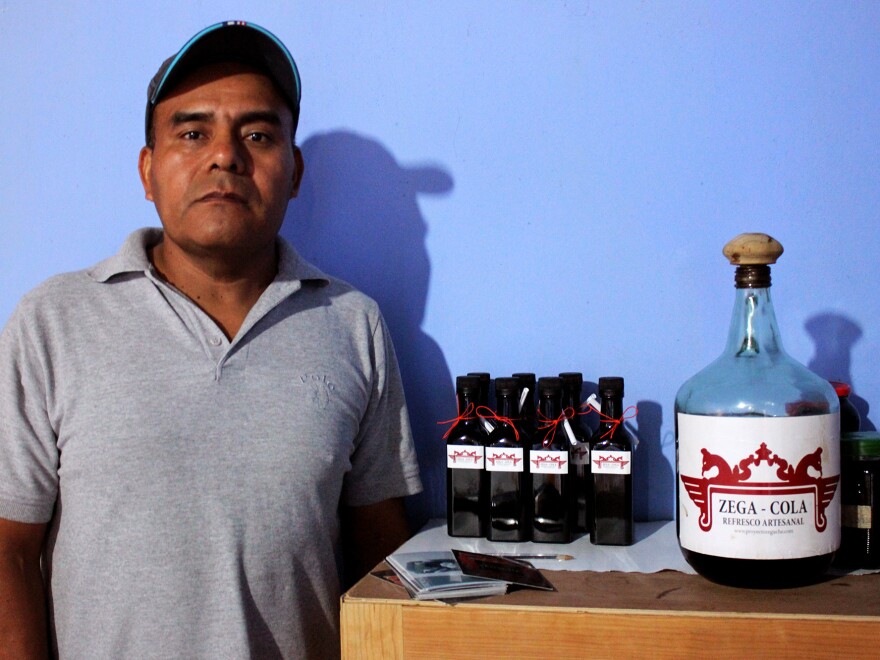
(524, 186)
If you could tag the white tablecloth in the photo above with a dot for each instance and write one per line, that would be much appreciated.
(656, 549)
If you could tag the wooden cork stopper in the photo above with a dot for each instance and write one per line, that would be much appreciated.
(752, 249)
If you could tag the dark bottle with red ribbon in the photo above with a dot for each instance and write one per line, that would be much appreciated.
(611, 453)
(505, 467)
(572, 383)
(466, 484)
(549, 464)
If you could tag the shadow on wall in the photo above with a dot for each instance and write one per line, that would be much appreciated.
(653, 477)
(835, 335)
(357, 217)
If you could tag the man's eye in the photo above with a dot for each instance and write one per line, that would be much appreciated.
(256, 136)
(192, 135)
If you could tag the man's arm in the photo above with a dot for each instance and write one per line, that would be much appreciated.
(23, 625)
(369, 534)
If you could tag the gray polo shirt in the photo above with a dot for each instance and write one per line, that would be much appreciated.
(193, 483)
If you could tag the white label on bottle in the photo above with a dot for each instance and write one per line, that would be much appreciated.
(759, 487)
(547, 461)
(504, 459)
(856, 516)
(466, 457)
(606, 461)
(580, 455)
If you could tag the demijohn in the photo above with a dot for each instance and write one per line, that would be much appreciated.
(758, 451)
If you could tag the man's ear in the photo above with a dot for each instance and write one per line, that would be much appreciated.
(298, 172)
(145, 165)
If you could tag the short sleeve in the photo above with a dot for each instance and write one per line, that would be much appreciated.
(384, 463)
(28, 449)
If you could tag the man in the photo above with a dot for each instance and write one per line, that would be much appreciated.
(195, 431)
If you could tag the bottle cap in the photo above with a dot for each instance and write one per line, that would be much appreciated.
(842, 389)
(753, 249)
(860, 444)
(507, 386)
(525, 378)
(611, 386)
(467, 384)
(573, 379)
(549, 385)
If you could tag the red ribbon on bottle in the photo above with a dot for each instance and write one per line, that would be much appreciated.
(547, 423)
(491, 414)
(615, 422)
(462, 416)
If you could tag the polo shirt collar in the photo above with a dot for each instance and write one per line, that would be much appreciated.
(132, 258)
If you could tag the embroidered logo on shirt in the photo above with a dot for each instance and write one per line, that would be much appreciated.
(317, 388)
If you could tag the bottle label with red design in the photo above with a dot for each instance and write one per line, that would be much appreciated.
(548, 461)
(580, 454)
(759, 487)
(466, 457)
(504, 459)
(610, 461)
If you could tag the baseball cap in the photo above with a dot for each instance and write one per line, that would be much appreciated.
(229, 41)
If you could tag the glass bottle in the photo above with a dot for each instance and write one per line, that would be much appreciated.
(758, 451)
(572, 384)
(505, 467)
(466, 484)
(611, 454)
(549, 466)
(860, 500)
(850, 419)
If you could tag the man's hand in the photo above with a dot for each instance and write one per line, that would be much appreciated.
(23, 625)
(369, 534)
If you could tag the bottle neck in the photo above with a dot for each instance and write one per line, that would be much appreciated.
(550, 408)
(753, 328)
(506, 406)
(528, 407)
(467, 403)
(612, 408)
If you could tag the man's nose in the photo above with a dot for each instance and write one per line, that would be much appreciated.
(228, 153)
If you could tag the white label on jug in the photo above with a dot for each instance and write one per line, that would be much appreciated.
(759, 487)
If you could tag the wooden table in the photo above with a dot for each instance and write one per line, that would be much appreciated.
(617, 614)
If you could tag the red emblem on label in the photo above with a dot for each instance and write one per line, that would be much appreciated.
(610, 461)
(464, 456)
(549, 461)
(504, 458)
(735, 481)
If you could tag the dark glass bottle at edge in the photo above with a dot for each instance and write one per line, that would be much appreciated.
(572, 384)
(612, 520)
(755, 378)
(466, 486)
(551, 491)
(507, 473)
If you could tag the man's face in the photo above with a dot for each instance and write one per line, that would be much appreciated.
(223, 166)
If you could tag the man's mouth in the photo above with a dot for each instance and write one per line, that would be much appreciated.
(223, 196)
